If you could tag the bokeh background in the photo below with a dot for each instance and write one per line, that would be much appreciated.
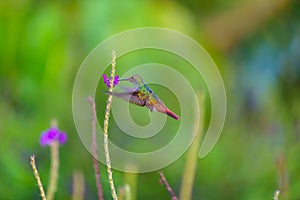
(256, 45)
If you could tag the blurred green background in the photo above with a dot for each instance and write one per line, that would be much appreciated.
(256, 45)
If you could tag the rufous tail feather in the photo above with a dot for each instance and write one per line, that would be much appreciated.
(171, 114)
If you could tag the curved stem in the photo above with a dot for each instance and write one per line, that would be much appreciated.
(164, 181)
(107, 113)
(37, 176)
(94, 149)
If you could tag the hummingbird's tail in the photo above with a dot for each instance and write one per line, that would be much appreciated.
(171, 114)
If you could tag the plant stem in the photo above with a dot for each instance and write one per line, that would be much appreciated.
(164, 181)
(124, 192)
(276, 195)
(37, 177)
(283, 176)
(94, 149)
(131, 180)
(106, 119)
(192, 157)
(52, 185)
(78, 186)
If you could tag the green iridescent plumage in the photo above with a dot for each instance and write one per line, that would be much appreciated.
(142, 95)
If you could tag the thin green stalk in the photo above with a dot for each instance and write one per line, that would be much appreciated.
(124, 192)
(131, 180)
(192, 158)
(52, 185)
(276, 195)
(94, 149)
(37, 177)
(78, 186)
(283, 177)
(105, 131)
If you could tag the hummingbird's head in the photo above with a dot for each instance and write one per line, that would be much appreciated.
(136, 79)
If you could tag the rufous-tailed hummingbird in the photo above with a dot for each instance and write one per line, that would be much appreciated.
(142, 95)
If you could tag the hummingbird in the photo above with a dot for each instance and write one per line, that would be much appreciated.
(142, 95)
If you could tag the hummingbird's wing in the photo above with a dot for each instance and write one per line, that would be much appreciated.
(131, 96)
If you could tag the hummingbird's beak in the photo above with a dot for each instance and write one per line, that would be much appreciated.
(123, 79)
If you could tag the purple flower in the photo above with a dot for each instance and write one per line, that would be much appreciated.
(107, 80)
(51, 135)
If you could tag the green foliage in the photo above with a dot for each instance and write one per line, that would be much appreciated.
(43, 44)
